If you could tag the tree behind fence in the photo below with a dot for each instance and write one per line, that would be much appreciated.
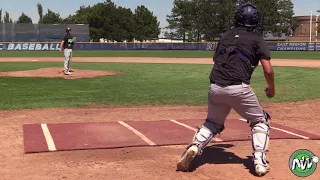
(16, 32)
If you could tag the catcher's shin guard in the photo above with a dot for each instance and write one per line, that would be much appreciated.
(201, 138)
(260, 144)
(204, 135)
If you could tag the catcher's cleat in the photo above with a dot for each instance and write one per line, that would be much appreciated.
(261, 170)
(261, 166)
(187, 158)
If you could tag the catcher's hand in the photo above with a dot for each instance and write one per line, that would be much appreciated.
(269, 92)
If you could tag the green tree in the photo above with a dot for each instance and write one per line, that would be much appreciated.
(146, 24)
(167, 35)
(100, 20)
(285, 20)
(171, 34)
(194, 20)
(318, 26)
(6, 18)
(124, 24)
(24, 19)
(112, 22)
(224, 11)
(52, 18)
(198, 19)
(109, 21)
(40, 12)
(1, 16)
(209, 20)
(81, 16)
(180, 19)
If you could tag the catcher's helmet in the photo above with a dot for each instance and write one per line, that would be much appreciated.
(247, 16)
(68, 30)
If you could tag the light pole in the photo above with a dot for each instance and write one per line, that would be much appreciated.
(317, 28)
(310, 25)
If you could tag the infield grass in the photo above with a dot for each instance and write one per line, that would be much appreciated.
(142, 84)
(153, 53)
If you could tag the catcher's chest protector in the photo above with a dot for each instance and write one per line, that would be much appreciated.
(234, 44)
(235, 58)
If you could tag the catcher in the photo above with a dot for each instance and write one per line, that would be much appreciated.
(237, 55)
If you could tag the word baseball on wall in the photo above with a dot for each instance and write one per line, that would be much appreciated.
(205, 46)
(30, 47)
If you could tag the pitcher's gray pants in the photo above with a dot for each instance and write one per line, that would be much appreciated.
(67, 59)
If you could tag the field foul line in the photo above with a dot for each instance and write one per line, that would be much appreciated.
(193, 129)
(48, 137)
(285, 131)
(139, 134)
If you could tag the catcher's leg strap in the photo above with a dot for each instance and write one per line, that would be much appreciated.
(205, 134)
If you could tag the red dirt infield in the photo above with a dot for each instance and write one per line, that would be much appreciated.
(106, 135)
(220, 161)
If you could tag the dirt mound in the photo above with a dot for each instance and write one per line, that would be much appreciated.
(58, 73)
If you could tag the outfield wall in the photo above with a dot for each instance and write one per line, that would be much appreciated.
(208, 46)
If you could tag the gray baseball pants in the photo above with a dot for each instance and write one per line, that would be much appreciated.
(67, 59)
(243, 100)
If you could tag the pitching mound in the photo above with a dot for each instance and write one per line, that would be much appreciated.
(58, 73)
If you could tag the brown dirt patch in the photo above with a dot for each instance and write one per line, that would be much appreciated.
(58, 73)
(151, 162)
(275, 62)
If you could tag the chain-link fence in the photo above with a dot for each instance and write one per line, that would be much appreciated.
(15, 32)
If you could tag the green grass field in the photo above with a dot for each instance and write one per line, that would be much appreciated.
(142, 84)
(159, 53)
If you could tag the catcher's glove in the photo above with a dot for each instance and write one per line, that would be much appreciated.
(267, 116)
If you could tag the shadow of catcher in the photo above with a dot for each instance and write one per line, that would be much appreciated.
(216, 154)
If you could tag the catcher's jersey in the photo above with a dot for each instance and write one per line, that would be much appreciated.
(237, 55)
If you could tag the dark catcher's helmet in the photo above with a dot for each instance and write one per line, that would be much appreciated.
(68, 30)
(247, 16)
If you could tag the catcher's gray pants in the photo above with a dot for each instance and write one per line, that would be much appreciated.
(243, 100)
(67, 59)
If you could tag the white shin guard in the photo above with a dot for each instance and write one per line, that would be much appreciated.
(260, 142)
(204, 135)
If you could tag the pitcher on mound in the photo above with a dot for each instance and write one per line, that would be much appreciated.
(237, 55)
(67, 46)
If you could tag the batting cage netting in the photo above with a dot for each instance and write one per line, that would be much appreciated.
(16, 32)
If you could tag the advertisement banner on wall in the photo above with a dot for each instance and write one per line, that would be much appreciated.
(210, 46)
(292, 46)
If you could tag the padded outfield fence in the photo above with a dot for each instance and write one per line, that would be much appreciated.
(16, 32)
(206, 46)
(30, 37)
